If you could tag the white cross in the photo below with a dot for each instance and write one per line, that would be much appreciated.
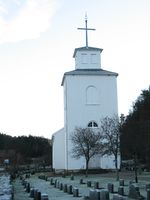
(86, 30)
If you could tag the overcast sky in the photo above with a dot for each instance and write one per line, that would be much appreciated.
(37, 40)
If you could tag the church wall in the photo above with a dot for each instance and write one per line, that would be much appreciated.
(59, 150)
(79, 112)
(108, 162)
(95, 162)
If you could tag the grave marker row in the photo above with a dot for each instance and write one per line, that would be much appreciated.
(34, 192)
(65, 187)
(101, 193)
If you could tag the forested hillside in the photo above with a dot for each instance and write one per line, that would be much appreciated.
(135, 137)
(25, 149)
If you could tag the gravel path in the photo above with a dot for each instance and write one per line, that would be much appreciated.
(19, 191)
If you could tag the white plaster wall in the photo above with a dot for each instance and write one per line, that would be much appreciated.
(59, 150)
(107, 162)
(95, 162)
(79, 113)
(73, 163)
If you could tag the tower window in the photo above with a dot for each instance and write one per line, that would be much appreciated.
(84, 58)
(93, 59)
(92, 124)
(92, 95)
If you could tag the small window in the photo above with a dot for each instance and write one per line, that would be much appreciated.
(92, 95)
(92, 124)
(95, 124)
(84, 58)
(93, 58)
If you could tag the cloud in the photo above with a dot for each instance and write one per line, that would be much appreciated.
(29, 20)
(2, 9)
(17, 2)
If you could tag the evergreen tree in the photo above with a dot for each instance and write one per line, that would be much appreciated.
(135, 138)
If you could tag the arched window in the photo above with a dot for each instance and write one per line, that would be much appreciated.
(92, 96)
(92, 124)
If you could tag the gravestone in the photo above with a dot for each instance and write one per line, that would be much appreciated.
(65, 187)
(42, 177)
(28, 187)
(81, 181)
(147, 186)
(35, 193)
(97, 194)
(121, 182)
(38, 195)
(69, 189)
(148, 194)
(75, 192)
(61, 186)
(51, 181)
(92, 194)
(121, 190)
(131, 182)
(119, 197)
(104, 194)
(96, 185)
(134, 191)
(101, 194)
(24, 182)
(55, 183)
(27, 175)
(89, 183)
(110, 187)
(44, 196)
(32, 192)
(72, 177)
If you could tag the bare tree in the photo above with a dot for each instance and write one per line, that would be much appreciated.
(110, 128)
(86, 143)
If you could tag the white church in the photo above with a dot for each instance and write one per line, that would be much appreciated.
(90, 93)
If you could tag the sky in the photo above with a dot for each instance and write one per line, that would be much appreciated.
(37, 41)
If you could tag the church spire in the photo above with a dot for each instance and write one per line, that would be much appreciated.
(86, 30)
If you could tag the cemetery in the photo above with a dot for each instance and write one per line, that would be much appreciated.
(46, 186)
(93, 137)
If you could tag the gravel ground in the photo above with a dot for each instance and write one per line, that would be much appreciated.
(57, 194)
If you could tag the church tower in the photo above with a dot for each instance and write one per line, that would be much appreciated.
(90, 93)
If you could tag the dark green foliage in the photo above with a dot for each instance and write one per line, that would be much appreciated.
(135, 138)
(6, 141)
(27, 147)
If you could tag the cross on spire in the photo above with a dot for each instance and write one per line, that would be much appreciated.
(86, 30)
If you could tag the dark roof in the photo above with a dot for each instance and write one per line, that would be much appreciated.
(90, 72)
(86, 48)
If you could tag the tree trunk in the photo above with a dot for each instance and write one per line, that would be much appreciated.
(135, 169)
(117, 170)
(87, 168)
